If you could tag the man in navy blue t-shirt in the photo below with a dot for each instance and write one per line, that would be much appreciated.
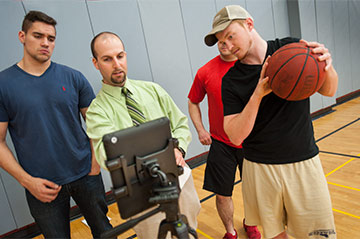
(40, 103)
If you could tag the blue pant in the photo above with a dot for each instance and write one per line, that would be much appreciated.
(53, 218)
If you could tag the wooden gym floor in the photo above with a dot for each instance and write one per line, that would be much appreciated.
(338, 137)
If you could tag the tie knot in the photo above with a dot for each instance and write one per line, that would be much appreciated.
(124, 90)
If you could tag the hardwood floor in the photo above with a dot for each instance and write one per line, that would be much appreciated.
(338, 137)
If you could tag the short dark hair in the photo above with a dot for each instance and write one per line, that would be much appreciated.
(92, 45)
(36, 16)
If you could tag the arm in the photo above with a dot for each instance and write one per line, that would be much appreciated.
(178, 123)
(238, 126)
(95, 167)
(97, 125)
(330, 84)
(195, 115)
(42, 189)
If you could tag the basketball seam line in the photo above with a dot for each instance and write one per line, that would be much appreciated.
(302, 70)
(290, 48)
(283, 65)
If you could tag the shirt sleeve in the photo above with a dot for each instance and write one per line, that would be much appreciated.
(86, 92)
(97, 125)
(4, 117)
(178, 121)
(232, 103)
(197, 91)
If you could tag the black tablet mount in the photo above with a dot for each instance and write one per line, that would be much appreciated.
(163, 191)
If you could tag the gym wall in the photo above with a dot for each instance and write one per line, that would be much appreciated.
(164, 44)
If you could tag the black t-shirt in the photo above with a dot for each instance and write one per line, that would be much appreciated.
(283, 131)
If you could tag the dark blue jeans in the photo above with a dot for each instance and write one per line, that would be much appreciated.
(53, 218)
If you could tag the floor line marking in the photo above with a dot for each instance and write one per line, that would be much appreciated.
(347, 214)
(204, 234)
(333, 171)
(343, 186)
(339, 154)
(342, 127)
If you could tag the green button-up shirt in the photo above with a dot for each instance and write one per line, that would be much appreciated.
(108, 113)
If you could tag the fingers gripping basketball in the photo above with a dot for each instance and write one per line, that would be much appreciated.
(294, 72)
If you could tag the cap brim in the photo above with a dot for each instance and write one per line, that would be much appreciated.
(210, 39)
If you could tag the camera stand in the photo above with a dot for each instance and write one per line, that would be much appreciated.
(164, 192)
(167, 195)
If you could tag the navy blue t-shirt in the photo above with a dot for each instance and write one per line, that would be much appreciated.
(43, 115)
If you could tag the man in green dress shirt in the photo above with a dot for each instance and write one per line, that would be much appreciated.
(108, 113)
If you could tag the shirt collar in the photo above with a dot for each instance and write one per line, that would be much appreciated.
(116, 91)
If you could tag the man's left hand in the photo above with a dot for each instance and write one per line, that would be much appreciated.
(179, 158)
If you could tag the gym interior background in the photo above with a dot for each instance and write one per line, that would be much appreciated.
(164, 42)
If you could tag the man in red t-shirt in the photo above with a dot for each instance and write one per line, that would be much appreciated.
(223, 157)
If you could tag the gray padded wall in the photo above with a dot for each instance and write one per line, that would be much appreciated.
(7, 220)
(167, 48)
(16, 196)
(129, 27)
(308, 24)
(354, 18)
(11, 49)
(199, 53)
(17, 214)
(261, 11)
(325, 29)
(164, 42)
(74, 33)
(342, 46)
(280, 14)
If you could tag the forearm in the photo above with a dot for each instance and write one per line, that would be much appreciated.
(181, 131)
(95, 167)
(195, 115)
(10, 165)
(239, 126)
(330, 84)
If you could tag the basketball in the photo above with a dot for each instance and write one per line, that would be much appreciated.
(294, 72)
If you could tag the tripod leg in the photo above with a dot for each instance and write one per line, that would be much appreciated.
(163, 229)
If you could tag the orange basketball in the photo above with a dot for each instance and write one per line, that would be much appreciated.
(295, 72)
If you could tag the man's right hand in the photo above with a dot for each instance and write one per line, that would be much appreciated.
(263, 87)
(43, 189)
(204, 137)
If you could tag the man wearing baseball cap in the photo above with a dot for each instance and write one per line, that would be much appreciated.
(284, 186)
(224, 157)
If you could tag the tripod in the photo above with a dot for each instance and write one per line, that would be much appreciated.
(167, 195)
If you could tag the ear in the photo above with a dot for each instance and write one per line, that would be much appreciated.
(21, 36)
(249, 23)
(95, 62)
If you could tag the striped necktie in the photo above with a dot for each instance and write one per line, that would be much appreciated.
(133, 108)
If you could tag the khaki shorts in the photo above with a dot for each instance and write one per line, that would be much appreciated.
(295, 195)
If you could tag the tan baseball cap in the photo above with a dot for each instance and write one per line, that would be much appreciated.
(223, 19)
